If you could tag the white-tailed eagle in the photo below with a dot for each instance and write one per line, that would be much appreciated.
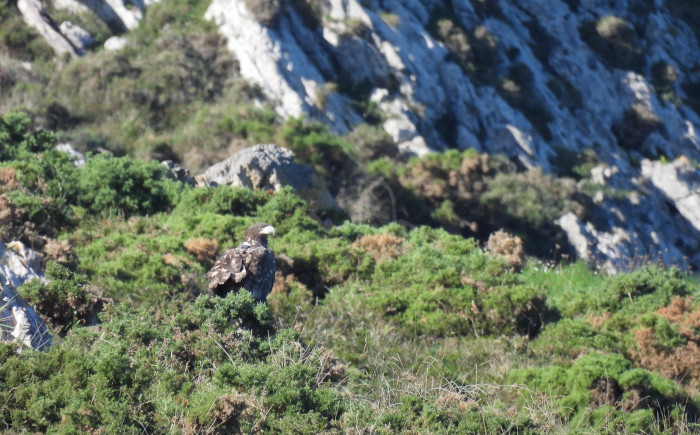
(249, 265)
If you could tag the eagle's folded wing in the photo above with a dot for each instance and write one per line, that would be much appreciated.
(231, 263)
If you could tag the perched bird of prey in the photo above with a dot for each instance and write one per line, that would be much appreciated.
(249, 265)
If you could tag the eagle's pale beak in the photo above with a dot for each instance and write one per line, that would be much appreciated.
(268, 230)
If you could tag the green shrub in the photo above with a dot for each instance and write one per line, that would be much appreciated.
(569, 338)
(314, 144)
(601, 388)
(237, 201)
(286, 212)
(152, 369)
(46, 177)
(64, 301)
(18, 137)
(125, 186)
(440, 284)
(644, 289)
(418, 414)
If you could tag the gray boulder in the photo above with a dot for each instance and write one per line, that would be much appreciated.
(269, 167)
(18, 321)
(177, 172)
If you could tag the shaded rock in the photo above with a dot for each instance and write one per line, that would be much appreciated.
(19, 322)
(177, 172)
(78, 37)
(268, 167)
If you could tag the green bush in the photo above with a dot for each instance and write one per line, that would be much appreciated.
(18, 137)
(125, 186)
(440, 284)
(640, 291)
(222, 200)
(418, 414)
(64, 301)
(146, 369)
(606, 385)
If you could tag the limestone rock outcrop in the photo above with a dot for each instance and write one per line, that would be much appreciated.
(268, 167)
(654, 218)
(18, 321)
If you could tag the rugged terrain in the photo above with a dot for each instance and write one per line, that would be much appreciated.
(579, 90)
(412, 133)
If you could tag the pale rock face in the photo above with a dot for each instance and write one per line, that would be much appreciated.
(35, 16)
(284, 63)
(659, 220)
(78, 37)
(18, 321)
(68, 38)
(679, 182)
(115, 43)
(428, 86)
(113, 12)
(583, 101)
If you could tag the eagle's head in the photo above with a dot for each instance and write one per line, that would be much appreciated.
(257, 233)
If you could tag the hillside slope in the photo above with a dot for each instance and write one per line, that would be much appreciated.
(602, 94)
(368, 329)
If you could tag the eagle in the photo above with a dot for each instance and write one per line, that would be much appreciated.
(249, 265)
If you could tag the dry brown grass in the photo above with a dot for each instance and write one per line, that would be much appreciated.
(509, 247)
(8, 179)
(61, 251)
(204, 250)
(681, 363)
(382, 246)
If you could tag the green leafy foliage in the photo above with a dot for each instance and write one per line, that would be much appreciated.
(609, 383)
(529, 203)
(124, 186)
(64, 301)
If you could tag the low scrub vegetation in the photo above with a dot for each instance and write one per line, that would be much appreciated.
(378, 329)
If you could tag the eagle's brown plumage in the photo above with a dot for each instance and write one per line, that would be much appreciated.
(249, 265)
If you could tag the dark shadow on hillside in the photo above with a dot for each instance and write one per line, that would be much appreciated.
(306, 271)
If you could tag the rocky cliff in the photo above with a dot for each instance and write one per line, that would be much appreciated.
(534, 80)
(543, 82)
